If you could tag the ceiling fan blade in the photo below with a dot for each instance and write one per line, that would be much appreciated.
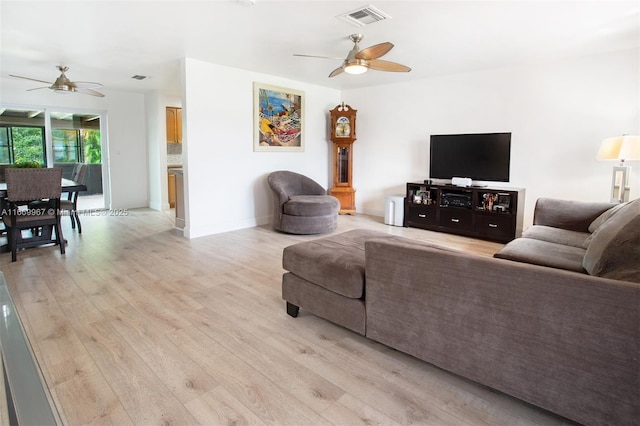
(37, 88)
(314, 56)
(86, 85)
(375, 51)
(337, 71)
(90, 92)
(377, 64)
(28, 78)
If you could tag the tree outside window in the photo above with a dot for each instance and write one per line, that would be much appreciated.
(25, 144)
(92, 146)
(77, 146)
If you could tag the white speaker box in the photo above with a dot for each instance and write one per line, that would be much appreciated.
(458, 181)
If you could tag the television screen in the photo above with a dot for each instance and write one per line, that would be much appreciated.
(480, 156)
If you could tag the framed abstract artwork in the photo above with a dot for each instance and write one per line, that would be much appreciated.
(278, 118)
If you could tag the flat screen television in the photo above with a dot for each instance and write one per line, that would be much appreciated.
(478, 156)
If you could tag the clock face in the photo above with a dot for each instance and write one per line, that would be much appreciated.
(343, 127)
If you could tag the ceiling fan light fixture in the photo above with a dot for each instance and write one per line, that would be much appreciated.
(61, 85)
(355, 69)
(62, 89)
(359, 66)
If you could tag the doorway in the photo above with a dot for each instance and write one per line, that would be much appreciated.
(76, 140)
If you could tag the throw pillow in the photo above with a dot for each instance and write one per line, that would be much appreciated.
(597, 223)
(614, 251)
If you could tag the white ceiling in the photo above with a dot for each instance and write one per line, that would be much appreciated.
(110, 41)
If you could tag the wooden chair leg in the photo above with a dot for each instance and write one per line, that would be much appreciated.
(60, 237)
(14, 243)
(75, 212)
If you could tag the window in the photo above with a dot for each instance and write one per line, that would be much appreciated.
(77, 146)
(28, 145)
(22, 137)
(92, 145)
(22, 144)
(5, 149)
(76, 138)
(66, 146)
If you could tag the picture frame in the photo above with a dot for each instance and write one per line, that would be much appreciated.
(278, 119)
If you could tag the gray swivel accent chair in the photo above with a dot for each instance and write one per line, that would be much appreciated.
(302, 206)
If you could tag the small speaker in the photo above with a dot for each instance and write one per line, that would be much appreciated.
(458, 181)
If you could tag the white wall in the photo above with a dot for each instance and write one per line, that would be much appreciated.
(126, 135)
(155, 107)
(558, 113)
(225, 181)
(155, 157)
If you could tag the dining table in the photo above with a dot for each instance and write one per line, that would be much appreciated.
(68, 186)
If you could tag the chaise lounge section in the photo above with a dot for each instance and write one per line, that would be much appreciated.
(327, 278)
(565, 340)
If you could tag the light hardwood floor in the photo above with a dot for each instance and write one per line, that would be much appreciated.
(137, 325)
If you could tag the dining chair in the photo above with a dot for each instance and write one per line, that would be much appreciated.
(25, 186)
(75, 174)
(71, 203)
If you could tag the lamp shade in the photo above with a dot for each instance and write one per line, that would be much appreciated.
(630, 149)
(609, 148)
(623, 148)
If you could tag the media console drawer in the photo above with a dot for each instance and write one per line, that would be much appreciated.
(424, 215)
(455, 218)
(495, 226)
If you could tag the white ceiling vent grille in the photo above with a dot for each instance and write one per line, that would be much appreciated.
(364, 16)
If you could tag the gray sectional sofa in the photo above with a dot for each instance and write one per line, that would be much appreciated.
(552, 319)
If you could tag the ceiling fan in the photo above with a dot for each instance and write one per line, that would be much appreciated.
(64, 85)
(360, 61)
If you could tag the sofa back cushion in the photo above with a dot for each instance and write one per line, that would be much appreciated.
(614, 249)
(568, 214)
(608, 214)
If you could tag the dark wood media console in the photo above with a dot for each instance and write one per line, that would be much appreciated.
(490, 213)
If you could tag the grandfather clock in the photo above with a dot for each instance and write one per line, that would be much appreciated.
(343, 135)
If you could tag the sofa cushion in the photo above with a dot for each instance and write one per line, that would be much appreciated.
(544, 253)
(568, 214)
(556, 235)
(614, 250)
(311, 205)
(335, 263)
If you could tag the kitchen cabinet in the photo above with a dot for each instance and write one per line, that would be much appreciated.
(172, 189)
(174, 125)
(175, 174)
(180, 212)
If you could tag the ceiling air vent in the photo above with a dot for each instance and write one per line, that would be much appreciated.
(139, 77)
(364, 16)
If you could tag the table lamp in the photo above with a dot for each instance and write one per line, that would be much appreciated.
(625, 147)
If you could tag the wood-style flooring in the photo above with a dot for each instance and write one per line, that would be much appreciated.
(137, 325)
